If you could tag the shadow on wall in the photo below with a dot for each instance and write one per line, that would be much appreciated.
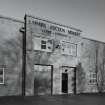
(80, 78)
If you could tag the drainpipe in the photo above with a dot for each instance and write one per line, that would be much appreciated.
(23, 31)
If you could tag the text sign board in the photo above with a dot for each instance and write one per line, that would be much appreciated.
(40, 32)
(47, 27)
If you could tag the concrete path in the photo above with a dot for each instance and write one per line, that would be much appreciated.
(54, 100)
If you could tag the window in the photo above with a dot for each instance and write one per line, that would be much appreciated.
(1, 75)
(68, 48)
(43, 44)
(92, 78)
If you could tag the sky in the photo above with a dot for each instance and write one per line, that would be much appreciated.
(86, 15)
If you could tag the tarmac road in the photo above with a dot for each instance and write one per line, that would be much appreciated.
(87, 99)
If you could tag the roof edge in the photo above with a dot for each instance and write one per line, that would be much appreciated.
(11, 18)
(93, 40)
(53, 22)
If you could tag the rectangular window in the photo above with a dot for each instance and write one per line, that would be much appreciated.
(1, 75)
(68, 48)
(42, 44)
(92, 78)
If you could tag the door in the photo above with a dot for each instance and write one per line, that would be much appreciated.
(42, 80)
(68, 80)
(64, 83)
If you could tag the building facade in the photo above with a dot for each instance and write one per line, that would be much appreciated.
(48, 58)
(10, 56)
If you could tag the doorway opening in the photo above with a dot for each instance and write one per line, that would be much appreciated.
(65, 82)
(43, 79)
(68, 80)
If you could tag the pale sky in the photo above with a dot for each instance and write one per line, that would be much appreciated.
(86, 15)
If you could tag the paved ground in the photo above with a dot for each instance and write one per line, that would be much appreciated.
(54, 100)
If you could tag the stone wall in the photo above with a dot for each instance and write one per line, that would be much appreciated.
(90, 57)
(85, 61)
(11, 56)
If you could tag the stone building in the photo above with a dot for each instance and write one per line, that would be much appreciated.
(10, 56)
(48, 58)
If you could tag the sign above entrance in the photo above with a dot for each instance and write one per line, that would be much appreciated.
(38, 25)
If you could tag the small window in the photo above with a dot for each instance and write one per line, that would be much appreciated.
(43, 44)
(68, 48)
(1, 75)
(92, 78)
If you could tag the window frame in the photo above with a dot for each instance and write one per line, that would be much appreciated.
(70, 44)
(92, 78)
(43, 44)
